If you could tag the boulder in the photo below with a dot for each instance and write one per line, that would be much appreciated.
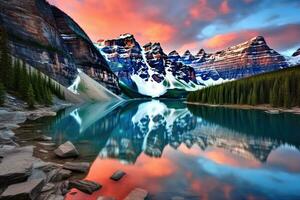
(85, 186)
(77, 166)
(26, 190)
(118, 175)
(66, 150)
(137, 194)
(16, 165)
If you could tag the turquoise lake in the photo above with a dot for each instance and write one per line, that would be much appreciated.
(179, 151)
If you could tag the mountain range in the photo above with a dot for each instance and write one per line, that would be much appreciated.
(49, 40)
(149, 71)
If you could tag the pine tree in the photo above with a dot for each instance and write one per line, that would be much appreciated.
(2, 94)
(30, 96)
(24, 82)
(286, 92)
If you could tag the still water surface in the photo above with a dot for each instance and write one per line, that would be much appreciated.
(193, 152)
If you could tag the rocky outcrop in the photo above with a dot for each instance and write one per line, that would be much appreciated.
(49, 40)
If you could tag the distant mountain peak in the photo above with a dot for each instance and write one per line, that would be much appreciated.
(258, 39)
(173, 53)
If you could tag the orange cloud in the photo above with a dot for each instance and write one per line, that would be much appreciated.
(107, 19)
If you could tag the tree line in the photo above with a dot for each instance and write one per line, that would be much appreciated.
(29, 85)
(279, 89)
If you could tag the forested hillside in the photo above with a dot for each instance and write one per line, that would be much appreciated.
(30, 85)
(279, 89)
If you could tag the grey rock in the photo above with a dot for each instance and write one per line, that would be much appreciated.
(6, 134)
(16, 165)
(85, 186)
(66, 150)
(43, 151)
(137, 194)
(47, 144)
(118, 175)
(57, 175)
(12, 117)
(43, 138)
(77, 166)
(48, 187)
(26, 190)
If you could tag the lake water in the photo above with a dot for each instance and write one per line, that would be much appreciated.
(193, 152)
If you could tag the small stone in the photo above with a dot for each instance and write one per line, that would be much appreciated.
(47, 144)
(43, 151)
(55, 197)
(85, 186)
(57, 175)
(105, 198)
(77, 166)
(48, 187)
(43, 138)
(118, 175)
(66, 150)
(26, 190)
(137, 194)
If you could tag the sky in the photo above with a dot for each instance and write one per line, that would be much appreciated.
(190, 24)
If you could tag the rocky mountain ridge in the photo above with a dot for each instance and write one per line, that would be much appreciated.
(151, 64)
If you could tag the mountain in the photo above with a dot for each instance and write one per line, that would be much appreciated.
(146, 70)
(242, 60)
(149, 71)
(50, 41)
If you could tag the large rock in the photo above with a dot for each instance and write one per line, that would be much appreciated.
(137, 194)
(16, 165)
(11, 119)
(66, 150)
(85, 186)
(77, 166)
(29, 190)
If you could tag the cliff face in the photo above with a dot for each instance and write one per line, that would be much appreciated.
(82, 49)
(36, 34)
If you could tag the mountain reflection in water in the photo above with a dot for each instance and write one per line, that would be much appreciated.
(193, 152)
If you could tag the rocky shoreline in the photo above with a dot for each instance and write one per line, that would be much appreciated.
(33, 167)
(22, 174)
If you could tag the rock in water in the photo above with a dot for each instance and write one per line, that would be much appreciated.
(66, 150)
(27, 190)
(85, 186)
(77, 166)
(137, 194)
(118, 175)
